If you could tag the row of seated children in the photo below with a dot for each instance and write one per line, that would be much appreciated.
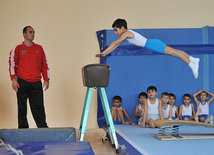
(151, 108)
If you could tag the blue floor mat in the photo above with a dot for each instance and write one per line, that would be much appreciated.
(143, 140)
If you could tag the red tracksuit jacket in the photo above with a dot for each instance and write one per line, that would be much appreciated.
(28, 63)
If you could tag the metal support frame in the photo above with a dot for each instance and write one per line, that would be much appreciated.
(108, 117)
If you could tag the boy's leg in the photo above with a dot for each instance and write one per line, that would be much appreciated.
(197, 113)
(151, 123)
(120, 115)
(202, 119)
(194, 65)
(177, 53)
(186, 119)
(114, 114)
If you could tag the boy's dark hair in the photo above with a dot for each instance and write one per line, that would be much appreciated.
(25, 29)
(117, 98)
(164, 93)
(187, 95)
(152, 88)
(204, 92)
(142, 94)
(119, 23)
(171, 94)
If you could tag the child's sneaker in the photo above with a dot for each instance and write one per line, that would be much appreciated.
(209, 120)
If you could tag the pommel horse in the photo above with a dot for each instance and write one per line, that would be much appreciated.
(169, 130)
(97, 76)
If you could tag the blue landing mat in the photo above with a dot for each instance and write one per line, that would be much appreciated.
(38, 134)
(142, 139)
(50, 148)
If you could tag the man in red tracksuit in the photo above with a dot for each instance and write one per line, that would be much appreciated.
(27, 62)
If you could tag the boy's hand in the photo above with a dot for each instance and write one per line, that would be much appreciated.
(140, 111)
(142, 126)
(130, 123)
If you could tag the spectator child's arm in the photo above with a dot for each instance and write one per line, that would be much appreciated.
(176, 112)
(127, 115)
(180, 110)
(212, 97)
(193, 110)
(170, 112)
(195, 97)
(137, 113)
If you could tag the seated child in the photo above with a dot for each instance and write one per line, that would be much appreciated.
(202, 114)
(172, 99)
(154, 110)
(139, 109)
(186, 110)
(117, 112)
(166, 108)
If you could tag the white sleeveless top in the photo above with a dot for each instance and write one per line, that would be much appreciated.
(166, 112)
(153, 108)
(173, 110)
(187, 110)
(140, 108)
(138, 39)
(204, 108)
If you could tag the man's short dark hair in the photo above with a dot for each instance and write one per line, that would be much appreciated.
(25, 29)
(119, 23)
(117, 98)
(152, 88)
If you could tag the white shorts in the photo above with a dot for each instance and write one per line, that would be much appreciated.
(153, 117)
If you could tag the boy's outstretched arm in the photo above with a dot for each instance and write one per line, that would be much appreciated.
(114, 45)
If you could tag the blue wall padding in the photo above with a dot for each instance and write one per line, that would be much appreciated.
(38, 134)
(50, 148)
(133, 69)
(177, 36)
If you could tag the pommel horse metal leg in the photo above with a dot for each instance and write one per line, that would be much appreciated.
(83, 129)
(108, 116)
(97, 75)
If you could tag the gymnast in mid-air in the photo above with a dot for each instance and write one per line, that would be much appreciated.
(155, 45)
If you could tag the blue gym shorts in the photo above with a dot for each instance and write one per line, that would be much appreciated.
(173, 117)
(117, 122)
(187, 116)
(204, 115)
(155, 45)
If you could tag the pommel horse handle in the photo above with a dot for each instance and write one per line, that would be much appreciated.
(97, 76)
